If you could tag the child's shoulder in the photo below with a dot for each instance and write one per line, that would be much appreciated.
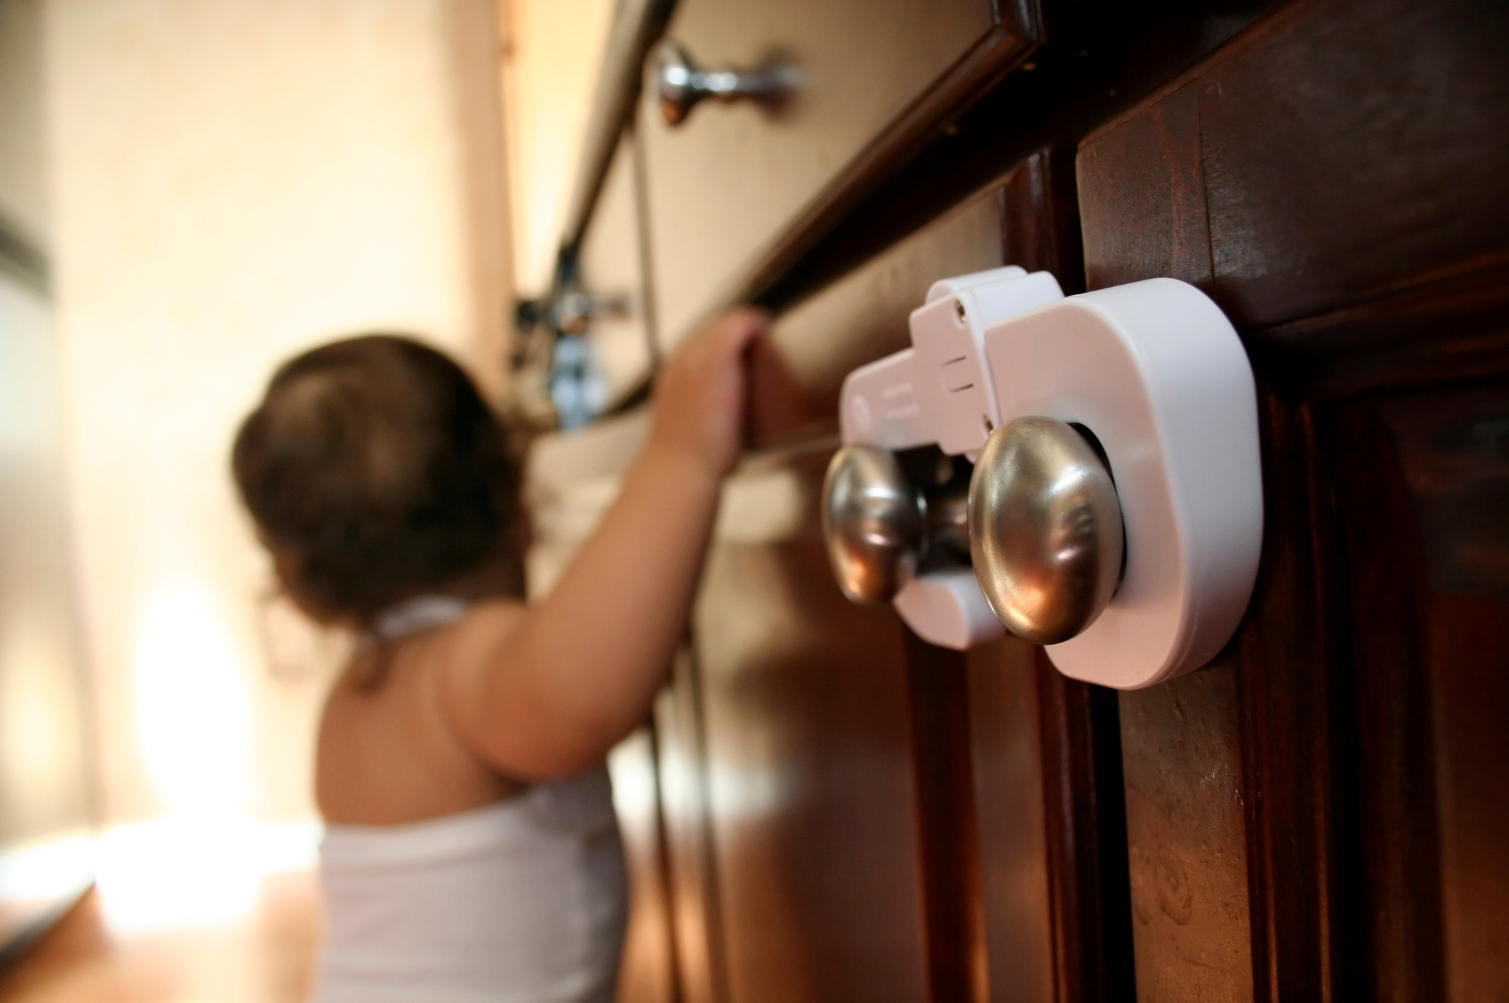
(487, 624)
(495, 609)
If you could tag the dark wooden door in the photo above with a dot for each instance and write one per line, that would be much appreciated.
(1319, 814)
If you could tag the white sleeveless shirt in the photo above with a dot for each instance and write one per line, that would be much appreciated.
(522, 901)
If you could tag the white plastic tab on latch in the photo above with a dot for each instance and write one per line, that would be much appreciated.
(951, 382)
(946, 608)
(1156, 373)
(880, 404)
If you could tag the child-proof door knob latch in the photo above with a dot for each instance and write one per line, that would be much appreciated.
(1114, 511)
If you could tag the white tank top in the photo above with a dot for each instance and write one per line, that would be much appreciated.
(522, 901)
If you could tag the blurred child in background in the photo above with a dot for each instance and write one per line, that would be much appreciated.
(471, 851)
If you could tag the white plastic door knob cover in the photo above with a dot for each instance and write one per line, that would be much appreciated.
(1156, 372)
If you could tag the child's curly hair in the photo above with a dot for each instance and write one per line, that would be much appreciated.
(374, 466)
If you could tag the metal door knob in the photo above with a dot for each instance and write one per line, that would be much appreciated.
(874, 522)
(681, 84)
(880, 527)
(1045, 529)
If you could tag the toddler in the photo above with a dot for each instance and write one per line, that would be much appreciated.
(471, 851)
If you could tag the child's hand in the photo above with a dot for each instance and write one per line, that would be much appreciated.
(540, 697)
(699, 394)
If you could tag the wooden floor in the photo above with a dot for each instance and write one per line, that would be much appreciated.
(267, 958)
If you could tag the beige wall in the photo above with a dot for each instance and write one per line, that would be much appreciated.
(553, 48)
(46, 782)
(234, 180)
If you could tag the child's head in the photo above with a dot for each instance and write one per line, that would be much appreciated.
(375, 472)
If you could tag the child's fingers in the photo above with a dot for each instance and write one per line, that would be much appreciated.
(733, 332)
(748, 323)
(718, 347)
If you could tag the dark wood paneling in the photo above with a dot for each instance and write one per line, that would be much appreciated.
(1013, 832)
(1319, 814)
(1462, 314)
(1337, 152)
(1401, 887)
(1086, 830)
(697, 943)
(1143, 196)
(1346, 144)
(811, 795)
(948, 834)
(815, 947)
(648, 972)
(1431, 599)
(1187, 839)
(1330, 178)
(1295, 697)
(1469, 650)
(1040, 218)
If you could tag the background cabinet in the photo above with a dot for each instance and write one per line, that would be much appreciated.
(728, 187)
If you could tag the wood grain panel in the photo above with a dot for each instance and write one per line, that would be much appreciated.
(697, 941)
(949, 836)
(783, 931)
(808, 757)
(1431, 597)
(1400, 849)
(1452, 324)
(1143, 196)
(1084, 803)
(1295, 696)
(1321, 159)
(648, 971)
(1040, 218)
(1327, 178)
(1187, 839)
(1009, 786)
(1468, 651)
(1345, 143)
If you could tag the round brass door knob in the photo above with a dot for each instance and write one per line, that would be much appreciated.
(874, 521)
(1045, 529)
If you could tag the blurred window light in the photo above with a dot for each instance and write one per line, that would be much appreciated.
(188, 872)
(193, 704)
(46, 872)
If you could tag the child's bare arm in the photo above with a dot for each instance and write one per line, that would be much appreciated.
(548, 692)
